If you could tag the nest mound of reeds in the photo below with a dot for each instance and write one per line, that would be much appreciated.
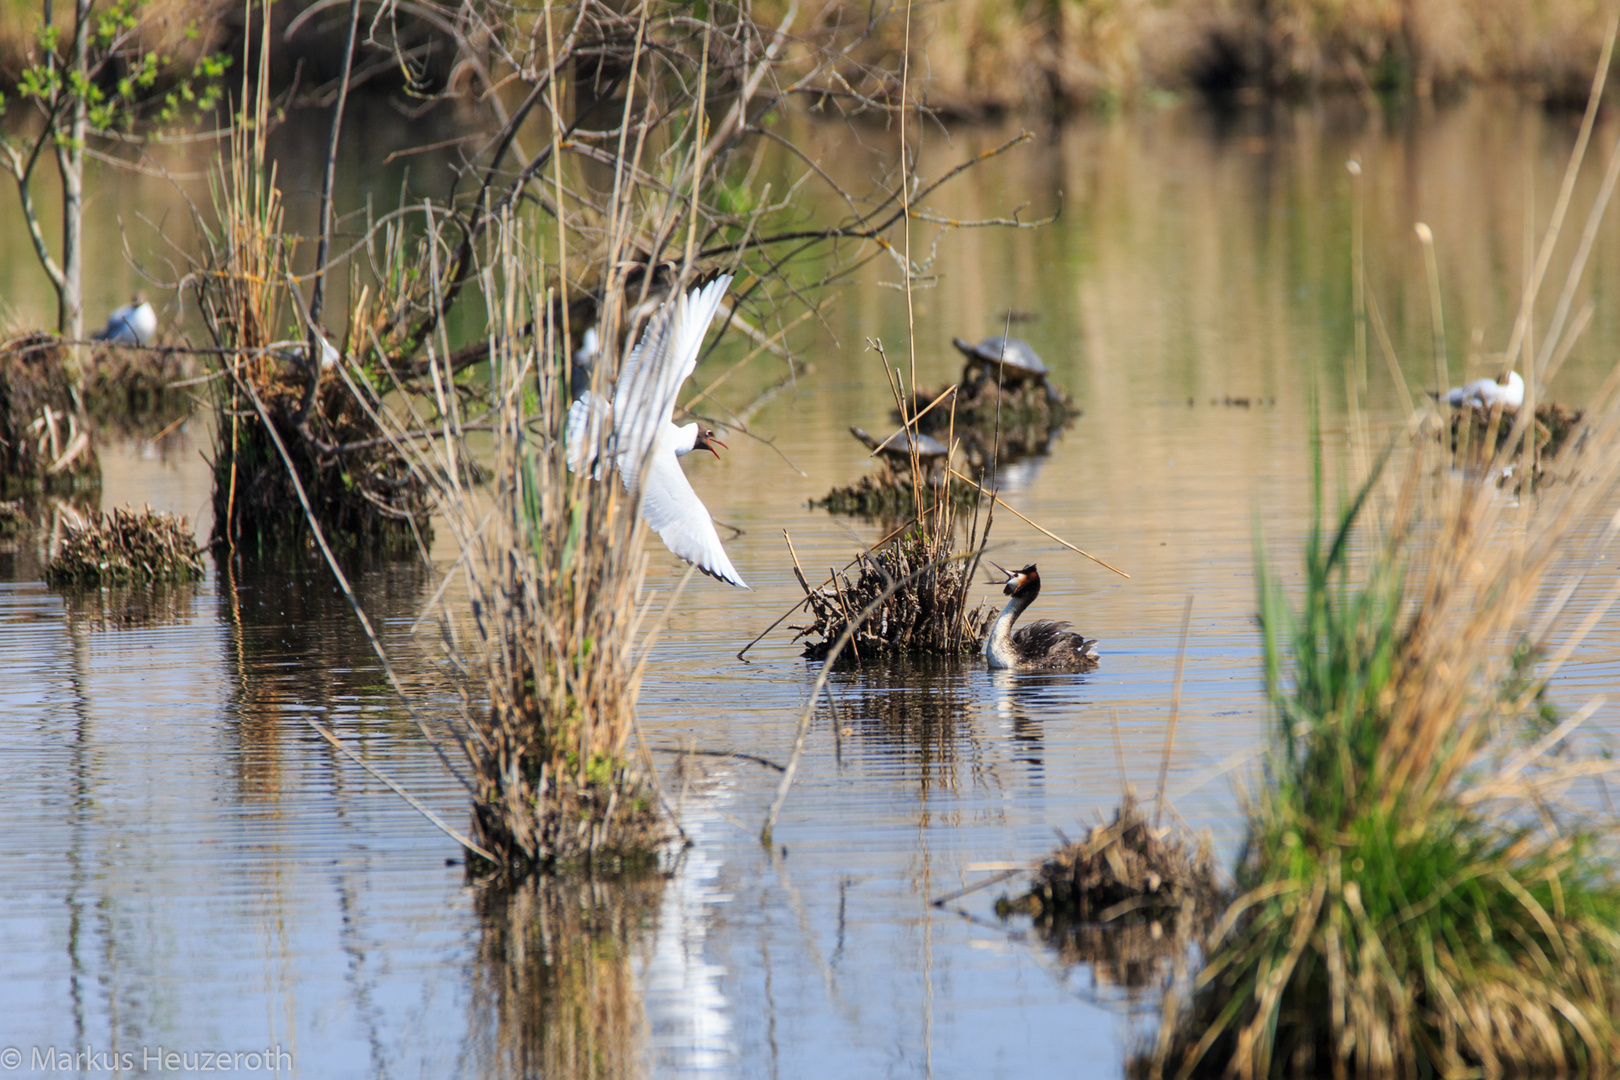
(886, 494)
(126, 546)
(1127, 867)
(44, 442)
(557, 814)
(363, 491)
(134, 387)
(918, 596)
(1471, 427)
(996, 423)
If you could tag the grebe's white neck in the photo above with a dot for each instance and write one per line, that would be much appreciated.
(999, 647)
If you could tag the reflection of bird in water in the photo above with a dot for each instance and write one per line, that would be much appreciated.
(1028, 734)
(1040, 646)
(1507, 389)
(635, 433)
(1014, 476)
(133, 324)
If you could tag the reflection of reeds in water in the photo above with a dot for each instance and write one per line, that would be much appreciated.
(292, 650)
(127, 606)
(918, 712)
(556, 977)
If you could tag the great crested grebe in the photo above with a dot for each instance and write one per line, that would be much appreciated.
(1040, 646)
(1508, 389)
(635, 434)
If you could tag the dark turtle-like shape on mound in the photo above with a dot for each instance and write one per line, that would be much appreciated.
(1017, 361)
(929, 450)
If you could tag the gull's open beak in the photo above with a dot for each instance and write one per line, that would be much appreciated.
(714, 441)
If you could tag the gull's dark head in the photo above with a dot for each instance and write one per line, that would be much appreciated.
(708, 440)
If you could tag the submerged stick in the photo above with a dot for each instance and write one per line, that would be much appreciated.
(984, 883)
(997, 498)
(416, 804)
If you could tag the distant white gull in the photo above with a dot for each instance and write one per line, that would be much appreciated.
(133, 324)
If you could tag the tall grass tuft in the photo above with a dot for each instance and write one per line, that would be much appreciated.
(551, 566)
(1416, 895)
(362, 493)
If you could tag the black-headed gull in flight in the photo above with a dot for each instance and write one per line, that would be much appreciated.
(635, 433)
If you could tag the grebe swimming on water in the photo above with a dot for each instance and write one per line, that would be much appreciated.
(1040, 646)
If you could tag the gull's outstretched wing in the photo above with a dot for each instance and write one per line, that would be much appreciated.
(681, 520)
(590, 424)
(644, 396)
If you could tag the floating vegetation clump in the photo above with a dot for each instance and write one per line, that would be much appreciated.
(887, 495)
(126, 546)
(1411, 899)
(45, 445)
(998, 423)
(917, 593)
(1472, 430)
(1127, 867)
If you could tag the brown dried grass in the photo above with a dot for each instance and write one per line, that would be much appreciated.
(45, 444)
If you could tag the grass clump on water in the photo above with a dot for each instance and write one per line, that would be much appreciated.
(1411, 901)
(126, 546)
(887, 494)
(914, 595)
(1126, 867)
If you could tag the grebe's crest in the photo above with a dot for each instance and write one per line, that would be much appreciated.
(1019, 582)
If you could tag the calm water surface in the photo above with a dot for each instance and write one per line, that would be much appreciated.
(188, 866)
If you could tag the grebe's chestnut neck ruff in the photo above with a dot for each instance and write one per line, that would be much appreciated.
(1040, 646)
